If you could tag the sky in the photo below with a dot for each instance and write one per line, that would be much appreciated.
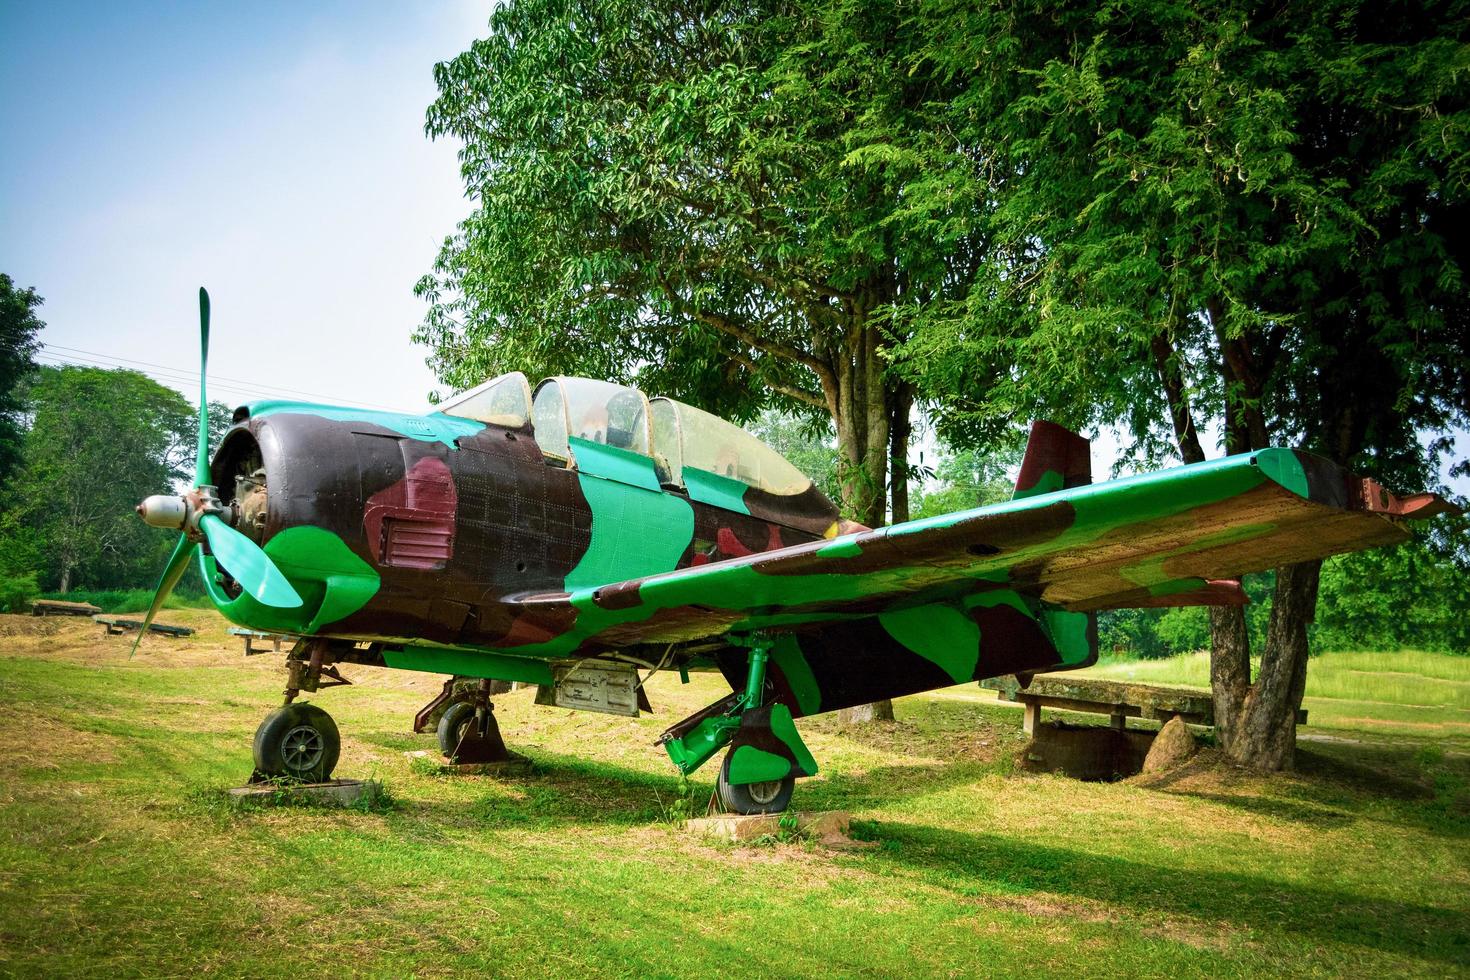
(271, 152)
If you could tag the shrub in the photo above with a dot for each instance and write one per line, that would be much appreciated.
(16, 592)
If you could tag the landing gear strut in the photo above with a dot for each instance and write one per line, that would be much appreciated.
(298, 740)
(766, 753)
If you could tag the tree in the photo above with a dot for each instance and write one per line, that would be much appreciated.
(19, 326)
(99, 442)
(1254, 217)
(701, 197)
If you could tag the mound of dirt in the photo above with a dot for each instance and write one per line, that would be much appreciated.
(11, 625)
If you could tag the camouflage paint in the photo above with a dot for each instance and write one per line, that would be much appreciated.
(715, 490)
(940, 634)
(447, 429)
(333, 583)
(635, 530)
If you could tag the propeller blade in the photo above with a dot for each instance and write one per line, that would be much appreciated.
(201, 463)
(172, 572)
(249, 565)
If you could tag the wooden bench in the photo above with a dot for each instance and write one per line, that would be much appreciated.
(115, 625)
(56, 607)
(1120, 700)
(252, 635)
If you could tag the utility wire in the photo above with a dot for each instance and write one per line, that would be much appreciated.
(85, 358)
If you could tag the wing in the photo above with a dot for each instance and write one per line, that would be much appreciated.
(1140, 541)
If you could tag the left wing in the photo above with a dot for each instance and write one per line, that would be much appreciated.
(1140, 541)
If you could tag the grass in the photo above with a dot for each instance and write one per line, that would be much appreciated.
(1409, 692)
(120, 856)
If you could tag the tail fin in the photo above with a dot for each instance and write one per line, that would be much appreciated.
(1056, 459)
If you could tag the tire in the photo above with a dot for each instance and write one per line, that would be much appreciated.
(770, 797)
(299, 741)
(452, 724)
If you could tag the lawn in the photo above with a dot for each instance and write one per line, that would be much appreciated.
(119, 855)
(1408, 693)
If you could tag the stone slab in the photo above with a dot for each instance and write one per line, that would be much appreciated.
(337, 792)
(519, 766)
(822, 824)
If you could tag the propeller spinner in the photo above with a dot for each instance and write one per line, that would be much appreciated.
(202, 518)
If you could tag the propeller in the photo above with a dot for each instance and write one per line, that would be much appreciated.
(201, 516)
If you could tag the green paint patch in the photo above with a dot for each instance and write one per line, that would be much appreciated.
(1285, 467)
(784, 728)
(715, 490)
(1069, 634)
(331, 579)
(749, 764)
(635, 532)
(1050, 482)
(1151, 572)
(424, 428)
(847, 548)
(612, 463)
(940, 634)
(787, 656)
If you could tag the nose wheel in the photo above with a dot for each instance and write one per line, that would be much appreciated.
(298, 741)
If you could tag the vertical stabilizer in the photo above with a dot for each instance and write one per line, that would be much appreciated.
(1056, 459)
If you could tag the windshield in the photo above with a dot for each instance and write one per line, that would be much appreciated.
(505, 400)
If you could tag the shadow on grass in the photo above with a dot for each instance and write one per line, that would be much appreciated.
(1319, 914)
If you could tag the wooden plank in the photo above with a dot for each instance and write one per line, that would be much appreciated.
(56, 607)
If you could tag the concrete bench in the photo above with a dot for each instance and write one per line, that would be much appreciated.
(115, 625)
(1120, 700)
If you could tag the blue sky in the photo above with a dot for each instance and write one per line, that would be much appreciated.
(272, 152)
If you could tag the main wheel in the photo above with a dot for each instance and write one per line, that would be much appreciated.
(299, 741)
(769, 797)
(452, 726)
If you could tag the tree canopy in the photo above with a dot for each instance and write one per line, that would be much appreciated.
(19, 326)
(701, 197)
(99, 441)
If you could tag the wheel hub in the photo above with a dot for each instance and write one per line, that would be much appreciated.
(302, 748)
(764, 793)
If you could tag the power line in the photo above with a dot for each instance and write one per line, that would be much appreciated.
(86, 358)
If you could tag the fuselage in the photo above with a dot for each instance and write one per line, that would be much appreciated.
(421, 528)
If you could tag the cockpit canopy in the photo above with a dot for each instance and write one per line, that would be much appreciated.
(689, 447)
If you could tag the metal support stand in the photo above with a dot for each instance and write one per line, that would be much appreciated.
(480, 741)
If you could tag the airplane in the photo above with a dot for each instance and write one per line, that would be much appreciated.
(582, 536)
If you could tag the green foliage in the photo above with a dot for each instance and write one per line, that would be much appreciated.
(17, 592)
(18, 328)
(99, 441)
(1228, 215)
(1414, 595)
(965, 478)
(726, 203)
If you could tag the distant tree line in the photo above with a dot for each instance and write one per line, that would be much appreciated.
(79, 447)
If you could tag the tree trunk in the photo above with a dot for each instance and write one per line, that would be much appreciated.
(864, 438)
(899, 428)
(65, 584)
(863, 713)
(1262, 734)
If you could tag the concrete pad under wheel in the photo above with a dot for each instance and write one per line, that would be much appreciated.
(517, 766)
(337, 792)
(825, 825)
